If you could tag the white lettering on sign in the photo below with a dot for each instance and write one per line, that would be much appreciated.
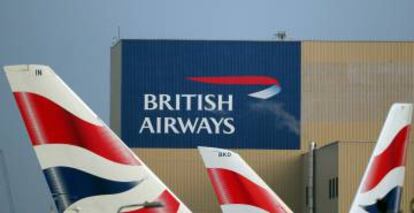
(187, 103)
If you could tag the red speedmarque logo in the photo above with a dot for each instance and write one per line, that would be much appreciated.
(247, 80)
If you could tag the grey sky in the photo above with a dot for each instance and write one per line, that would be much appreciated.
(74, 37)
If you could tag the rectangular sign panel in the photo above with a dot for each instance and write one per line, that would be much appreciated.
(230, 94)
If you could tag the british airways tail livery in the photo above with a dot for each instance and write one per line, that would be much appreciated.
(238, 188)
(87, 167)
(382, 183)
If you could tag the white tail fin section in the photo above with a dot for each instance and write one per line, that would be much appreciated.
(381, 185)
(87, 167)
(238, 188)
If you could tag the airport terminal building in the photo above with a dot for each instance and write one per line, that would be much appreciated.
(268, 101)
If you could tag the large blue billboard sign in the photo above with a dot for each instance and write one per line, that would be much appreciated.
(230, 94)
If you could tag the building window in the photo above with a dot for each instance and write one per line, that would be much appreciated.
(336, 187)
(333, 188)
(330, 189)
(307, 196)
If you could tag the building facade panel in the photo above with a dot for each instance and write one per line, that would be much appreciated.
(326, 179)
(348, 88)
(116, 94)
(233, 94)
(346, 91)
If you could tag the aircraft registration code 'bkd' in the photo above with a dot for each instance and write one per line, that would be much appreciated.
(224, 154)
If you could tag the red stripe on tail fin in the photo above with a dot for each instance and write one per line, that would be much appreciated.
(394, 156)
(49, 123)
(233, 188)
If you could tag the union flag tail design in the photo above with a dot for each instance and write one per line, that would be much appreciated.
(382, 183)
(87, 167)
(237, 186)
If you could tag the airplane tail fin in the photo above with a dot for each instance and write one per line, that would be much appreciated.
(237, 186)
(87, 167)
(382, 183)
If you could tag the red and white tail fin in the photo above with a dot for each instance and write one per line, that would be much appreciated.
(87, 167)
(382, 183)
(237, 186)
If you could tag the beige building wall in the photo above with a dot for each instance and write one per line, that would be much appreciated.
(348, 87)
(347, 90)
